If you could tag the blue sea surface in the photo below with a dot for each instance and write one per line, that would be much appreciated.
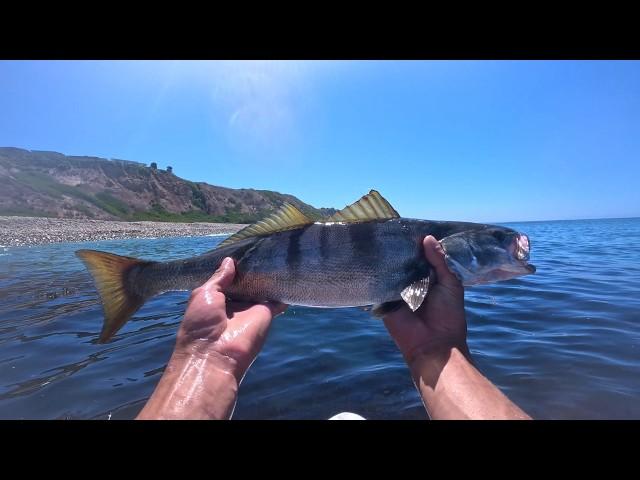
(563, 343)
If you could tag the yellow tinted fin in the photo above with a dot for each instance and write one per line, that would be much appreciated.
(372, 206)
(110, 273)
(286, 217)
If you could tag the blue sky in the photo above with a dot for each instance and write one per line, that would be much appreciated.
(486, 141)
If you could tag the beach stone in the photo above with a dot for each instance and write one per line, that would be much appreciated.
(25, 231)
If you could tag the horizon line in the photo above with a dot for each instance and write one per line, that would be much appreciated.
(568, 219)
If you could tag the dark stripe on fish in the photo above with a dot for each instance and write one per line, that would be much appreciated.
(364, 241)
(294, 255)
(244, 250)
(325, 247)
(239, 256)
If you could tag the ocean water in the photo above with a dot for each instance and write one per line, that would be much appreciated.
(563, 343)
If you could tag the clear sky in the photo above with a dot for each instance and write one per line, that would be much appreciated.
(485, 141)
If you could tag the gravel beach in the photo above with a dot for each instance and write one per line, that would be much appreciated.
(22, 231)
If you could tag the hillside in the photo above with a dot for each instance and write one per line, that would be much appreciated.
(50, 184)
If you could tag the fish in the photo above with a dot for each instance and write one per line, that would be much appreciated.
(365, 255)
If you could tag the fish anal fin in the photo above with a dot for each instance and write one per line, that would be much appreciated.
(286, 217)
(372, 206)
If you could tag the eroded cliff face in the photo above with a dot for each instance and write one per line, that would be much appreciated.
(37, 183)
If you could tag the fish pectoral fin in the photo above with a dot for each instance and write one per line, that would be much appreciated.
(372, 206)
(286, 217)
(382, 309)
(415, 293)
(413, 296)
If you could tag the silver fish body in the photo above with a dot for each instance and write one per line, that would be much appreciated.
(366, 254)
(319, 265)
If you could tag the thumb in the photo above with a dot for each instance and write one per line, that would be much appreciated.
(223, 276)
(435, 255)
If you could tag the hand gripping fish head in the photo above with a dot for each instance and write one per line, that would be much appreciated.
(487, 255)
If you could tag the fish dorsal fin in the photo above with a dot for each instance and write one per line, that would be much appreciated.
(372, 206)
(286, 217)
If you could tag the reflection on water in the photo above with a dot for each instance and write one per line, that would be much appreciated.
(562, 343)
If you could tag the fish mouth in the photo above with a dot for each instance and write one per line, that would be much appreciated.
(520, 249)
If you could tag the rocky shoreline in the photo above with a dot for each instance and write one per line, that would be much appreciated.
(25, 231)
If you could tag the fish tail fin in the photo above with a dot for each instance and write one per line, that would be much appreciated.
(111, 275)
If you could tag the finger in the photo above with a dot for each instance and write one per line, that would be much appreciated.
(268, 309)
(223, 276)
(211, 292)
(249, 326)
(257, 317)
(205, 315)
(398, 321)
(277, 308)
(435, 255)
(404, 328)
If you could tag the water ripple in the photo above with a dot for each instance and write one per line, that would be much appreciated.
(563, 343)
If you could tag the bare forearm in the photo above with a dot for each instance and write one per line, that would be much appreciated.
(452, 388)
(194, 388)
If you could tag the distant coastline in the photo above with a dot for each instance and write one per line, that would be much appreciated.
(564, 220)
(27, 231)
(50, 184)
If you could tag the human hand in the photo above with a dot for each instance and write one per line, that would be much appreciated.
(439, 324)
(217, 342)
(433, 341)
(233, 331)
